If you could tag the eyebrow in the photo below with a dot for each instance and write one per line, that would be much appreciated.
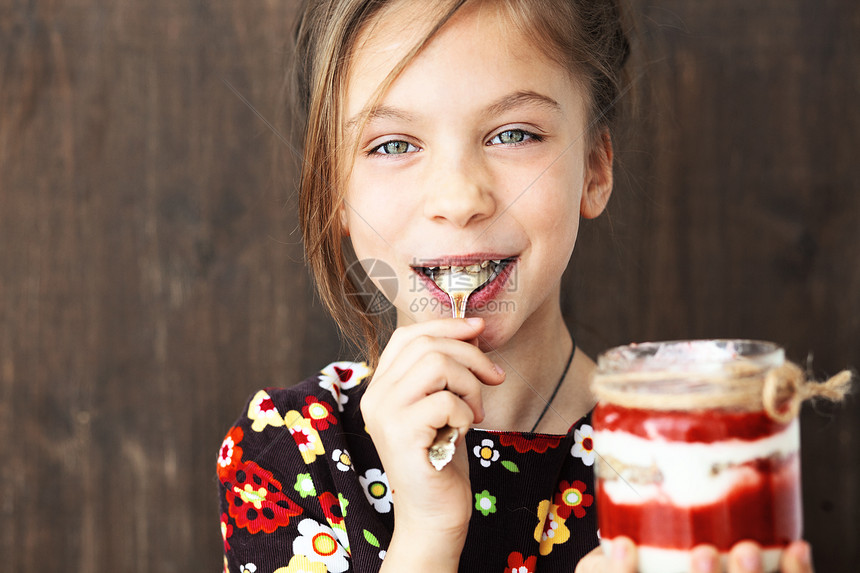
(521, 98)
(506, 103)
(379, 112)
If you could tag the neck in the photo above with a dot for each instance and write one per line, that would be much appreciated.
(534, 360)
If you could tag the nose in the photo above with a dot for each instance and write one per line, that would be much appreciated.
(460, 192)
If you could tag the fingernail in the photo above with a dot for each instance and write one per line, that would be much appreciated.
(499, 370)
(474, 321)
(803, 554)
(750, 559)
(705, 562)
(619, 551)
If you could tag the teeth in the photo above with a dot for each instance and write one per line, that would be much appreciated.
(473, 268)
(464, 278)
(461, 281)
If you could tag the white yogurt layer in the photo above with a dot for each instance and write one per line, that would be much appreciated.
(689, 473)
(656, 560)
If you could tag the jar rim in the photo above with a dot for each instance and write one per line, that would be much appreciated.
(711, 357)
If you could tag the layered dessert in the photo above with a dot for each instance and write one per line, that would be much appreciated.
(671, 479)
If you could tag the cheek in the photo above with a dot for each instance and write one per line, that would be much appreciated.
(553, 202)
(374, 215)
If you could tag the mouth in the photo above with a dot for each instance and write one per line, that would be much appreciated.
(469, 278)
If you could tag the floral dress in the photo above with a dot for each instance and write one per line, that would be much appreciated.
(302, 488)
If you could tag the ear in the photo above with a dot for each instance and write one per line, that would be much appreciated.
(344, 225)
(598, 177)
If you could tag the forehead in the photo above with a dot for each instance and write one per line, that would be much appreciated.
(478, 54)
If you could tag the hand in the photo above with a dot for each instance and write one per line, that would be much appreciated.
(429, 375)
(744, 557)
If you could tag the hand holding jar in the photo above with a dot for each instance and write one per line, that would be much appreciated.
(744, 557)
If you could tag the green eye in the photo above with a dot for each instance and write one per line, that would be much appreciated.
(513, 137)
(394, 148)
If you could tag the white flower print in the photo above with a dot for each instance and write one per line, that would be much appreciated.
(377, 490)
(486, 452)
(321, 543)
(344, 462)
(225, 453)
(583, 444)
(340, 376)
(248, 568)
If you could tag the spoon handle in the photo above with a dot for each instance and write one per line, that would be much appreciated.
(444, 445)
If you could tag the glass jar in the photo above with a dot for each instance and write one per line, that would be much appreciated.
(697, 442)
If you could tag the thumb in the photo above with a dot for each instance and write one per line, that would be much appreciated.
(622, 556)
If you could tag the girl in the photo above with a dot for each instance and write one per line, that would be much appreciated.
(470, 133)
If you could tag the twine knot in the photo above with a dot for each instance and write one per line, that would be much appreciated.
(786, 388)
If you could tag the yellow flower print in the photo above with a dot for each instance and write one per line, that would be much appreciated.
(301, 564)
(256, 497)
(306, 437)
(550, 528)
(262, 410)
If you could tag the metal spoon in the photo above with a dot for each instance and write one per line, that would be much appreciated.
(458, 285)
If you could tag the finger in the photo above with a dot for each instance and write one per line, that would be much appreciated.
(797, 558)
(449, 376)
(454, 328)
(593, 562)
(745, 557)
(704, 559)
(430, 370)
(622, 556)
(412, 350)
(437, 411)
(465, 354)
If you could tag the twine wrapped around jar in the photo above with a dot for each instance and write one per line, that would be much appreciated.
(779, 390)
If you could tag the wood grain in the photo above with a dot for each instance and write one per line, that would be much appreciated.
(151, 274)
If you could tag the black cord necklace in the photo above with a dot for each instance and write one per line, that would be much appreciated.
(557, 386)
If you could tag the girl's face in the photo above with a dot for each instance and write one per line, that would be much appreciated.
(476, 152)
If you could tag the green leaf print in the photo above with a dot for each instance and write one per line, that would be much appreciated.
(371, 538)
(510, 466)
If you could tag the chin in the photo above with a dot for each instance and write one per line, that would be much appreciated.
(495, 335)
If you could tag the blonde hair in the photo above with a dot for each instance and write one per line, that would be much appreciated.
(585, 37)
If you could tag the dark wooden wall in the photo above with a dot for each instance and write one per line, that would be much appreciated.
(151, 274)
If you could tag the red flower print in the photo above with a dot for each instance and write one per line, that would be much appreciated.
(571, 498)
(343, 373)
(256, 501)
(516, 563)
(331, 507)
(319, 413)
(537, 443)
(230, 453)
(226, 531)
